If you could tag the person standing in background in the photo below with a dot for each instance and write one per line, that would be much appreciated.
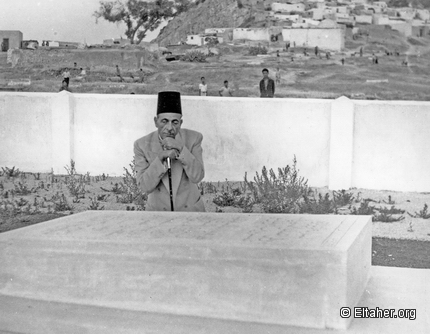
(203, 87)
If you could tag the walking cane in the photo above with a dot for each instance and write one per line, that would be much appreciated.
(169, 172)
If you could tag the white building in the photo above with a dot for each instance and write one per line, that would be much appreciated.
(286, 7)
(324, 38)
(406, 13)
(287, 17)
(423, 14)
(317, 13)
(405, 28)
(380, 19)
(306, 23)
(195, 40)
(363, 19)
(252, 34)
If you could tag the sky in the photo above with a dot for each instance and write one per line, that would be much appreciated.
(61, 20)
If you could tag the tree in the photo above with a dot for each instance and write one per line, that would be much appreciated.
(139, 16)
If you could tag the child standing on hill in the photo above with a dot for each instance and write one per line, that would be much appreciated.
(203, 87)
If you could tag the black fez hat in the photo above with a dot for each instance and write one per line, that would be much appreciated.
(169, 102)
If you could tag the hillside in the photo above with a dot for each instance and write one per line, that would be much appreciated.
(407, 3)
(206, 14)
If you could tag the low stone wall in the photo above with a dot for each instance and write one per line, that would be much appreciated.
(59, 58)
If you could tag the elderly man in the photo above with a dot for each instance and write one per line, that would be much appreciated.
(182, 147)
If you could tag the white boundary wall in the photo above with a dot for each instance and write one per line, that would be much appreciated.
(338, 143)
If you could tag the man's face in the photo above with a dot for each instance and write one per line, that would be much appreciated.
(226, 84)
(203, 81)
(168, 124)
(265, 74)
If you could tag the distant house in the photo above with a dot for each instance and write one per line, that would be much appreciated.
(287, 17)
(223, 34)
(286, 7)
(406, 13)
(402, 26)
(251, 34)
(423, 14)
(273, 34)
(317, 13)
(324, 38)
(366, 19)
(10, 39)
(380, 19)
(419, 28)
(198, 40)
(381, 5)
(305, 23)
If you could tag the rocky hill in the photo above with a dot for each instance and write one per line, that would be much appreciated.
(208, 14)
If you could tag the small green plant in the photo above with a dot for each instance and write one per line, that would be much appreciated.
(364, 209)
(320, 205)
(130, 191)
(424, 214)
(385, 215)
(227, 196)
(22, 202)
(61, 204)
(410, 229)
(257, 50)
(103, 197)
(75, 182)
(95, 204)
(9, 209)
(116, 189)
(392, 211)
(218, 210)
(206, 188)
(21, 188)
(342, 198)
(11, 172)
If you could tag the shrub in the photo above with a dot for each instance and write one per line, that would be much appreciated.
(257, 50)
(95, 204)
(75, 182)
(279, 193)
(422, 213)
(10, 172)
(364, 209)
(129, 191)
(342, 198)
(194, 56)
(322, 205)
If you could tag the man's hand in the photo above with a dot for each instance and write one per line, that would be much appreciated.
(170, 143)
(163, 155)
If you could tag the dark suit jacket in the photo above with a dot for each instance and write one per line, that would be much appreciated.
(187, 171)
(270, 91)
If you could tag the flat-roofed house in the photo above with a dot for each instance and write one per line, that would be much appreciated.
(10, 39)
